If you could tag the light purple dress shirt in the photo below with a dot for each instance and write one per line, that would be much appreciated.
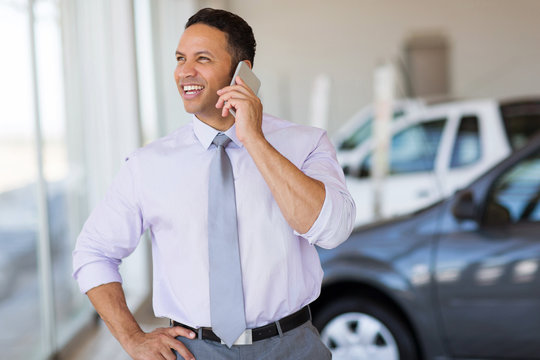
(164, 187)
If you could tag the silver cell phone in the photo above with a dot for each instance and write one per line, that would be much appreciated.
(248, 76)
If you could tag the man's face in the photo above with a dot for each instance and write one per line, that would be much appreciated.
(203, 67)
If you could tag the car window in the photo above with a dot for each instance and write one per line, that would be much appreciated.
(521, 122)
(467, 149)
(413, 149)
(363, 133)
(515, 196)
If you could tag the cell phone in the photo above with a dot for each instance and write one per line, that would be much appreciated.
(248, 77)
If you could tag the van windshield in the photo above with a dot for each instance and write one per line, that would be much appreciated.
(362, 133)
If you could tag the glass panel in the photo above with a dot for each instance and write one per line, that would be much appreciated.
(516, 195)
(413, 149)
(19, 290)
(467, 149)
(62, 167)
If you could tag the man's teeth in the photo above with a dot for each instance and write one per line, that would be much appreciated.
(191, 89)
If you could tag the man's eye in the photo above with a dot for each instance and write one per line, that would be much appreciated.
(179, 58)
(204, 59)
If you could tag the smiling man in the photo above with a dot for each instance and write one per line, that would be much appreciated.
(234, 206)
(204, 66)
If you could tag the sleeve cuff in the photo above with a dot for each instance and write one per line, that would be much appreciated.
(95, 274)
(318, 227)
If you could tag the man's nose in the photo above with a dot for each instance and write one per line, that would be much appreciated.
(186, 69)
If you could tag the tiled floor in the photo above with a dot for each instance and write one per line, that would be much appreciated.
(100, 344)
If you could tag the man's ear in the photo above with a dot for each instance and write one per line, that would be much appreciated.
(249, 63)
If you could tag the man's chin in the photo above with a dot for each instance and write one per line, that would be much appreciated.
(195, 108)
(190, 109)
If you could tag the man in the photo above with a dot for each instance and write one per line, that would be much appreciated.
(289, 194)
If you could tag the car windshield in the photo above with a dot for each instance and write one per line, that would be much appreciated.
(362, 133)
(521, 121)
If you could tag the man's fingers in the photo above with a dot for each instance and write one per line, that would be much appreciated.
(244, 87)
(168, 354)
(181, 331)
(225, 97)
(181, 349)
(240, 86)
(239, 90)
(233, 103)
(225, 111)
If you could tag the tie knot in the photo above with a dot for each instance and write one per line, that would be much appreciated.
(221, 140)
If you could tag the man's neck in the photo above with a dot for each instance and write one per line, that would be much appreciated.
(217, 122)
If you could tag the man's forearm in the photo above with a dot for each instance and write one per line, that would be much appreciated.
(110, 303)
(299, 197)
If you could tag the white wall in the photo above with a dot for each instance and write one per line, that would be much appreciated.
(494, 47)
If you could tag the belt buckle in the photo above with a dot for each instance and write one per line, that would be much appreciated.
(245, 338)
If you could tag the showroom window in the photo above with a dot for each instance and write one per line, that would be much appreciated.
(42, 192)
(19, 225)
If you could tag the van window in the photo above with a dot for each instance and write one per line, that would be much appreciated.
(521, 121)
(413, 149)
(467, 149)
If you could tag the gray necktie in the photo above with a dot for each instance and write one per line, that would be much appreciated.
(226, 292)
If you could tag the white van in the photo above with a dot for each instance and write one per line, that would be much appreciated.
(436, 150)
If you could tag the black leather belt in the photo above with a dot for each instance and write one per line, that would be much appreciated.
(286, 324)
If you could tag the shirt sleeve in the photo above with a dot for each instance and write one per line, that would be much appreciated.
(336, 218)
(111, 233)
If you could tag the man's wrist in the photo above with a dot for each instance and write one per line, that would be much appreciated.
(132, 339)
(254, 141)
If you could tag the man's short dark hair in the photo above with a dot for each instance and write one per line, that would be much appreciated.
(240, 39)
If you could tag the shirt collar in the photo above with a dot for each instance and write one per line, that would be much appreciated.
(206, 134)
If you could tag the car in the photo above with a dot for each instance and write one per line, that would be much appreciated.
(459, 279)
(435, 149)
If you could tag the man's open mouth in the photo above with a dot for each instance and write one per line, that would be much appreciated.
(192, 89)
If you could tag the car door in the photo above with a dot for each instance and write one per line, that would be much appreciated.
(488, 272)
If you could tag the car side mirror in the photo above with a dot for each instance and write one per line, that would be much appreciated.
(464, 207)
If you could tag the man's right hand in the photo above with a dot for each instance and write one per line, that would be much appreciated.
(159, 344)
(110, 303)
